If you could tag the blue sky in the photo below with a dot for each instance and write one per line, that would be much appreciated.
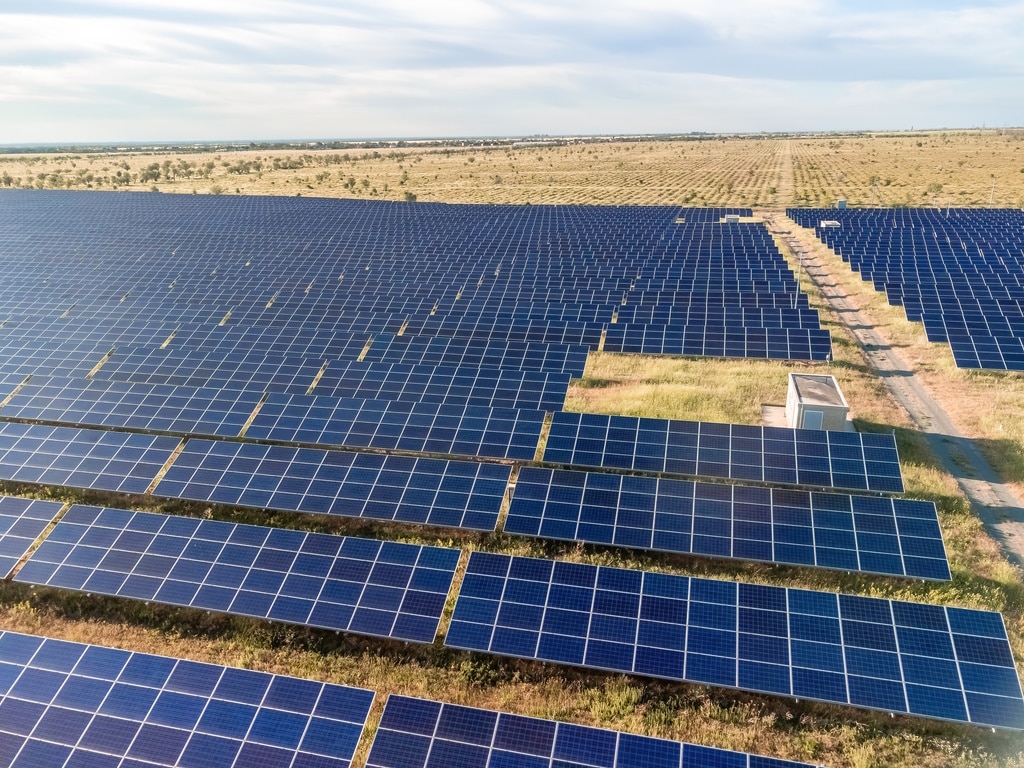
(177, 70)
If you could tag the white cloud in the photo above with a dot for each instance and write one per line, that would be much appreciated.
(136, 69)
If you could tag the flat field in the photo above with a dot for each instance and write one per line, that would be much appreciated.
(944, 168)
(928, 168)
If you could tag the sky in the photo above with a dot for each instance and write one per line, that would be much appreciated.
(77, 71)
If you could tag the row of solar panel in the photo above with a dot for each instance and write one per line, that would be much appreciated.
(949, 663)
(486, 387)
(216, 366)
(928, 660)
(253, 289)
(753, 317)
(852, 460)
(40, 314)
(717, 340)
(80, 705)
(294, 341)
(934, 252)
(188, 276)
(770, 343)
(702, 309)
(250, 296)
(898, 537)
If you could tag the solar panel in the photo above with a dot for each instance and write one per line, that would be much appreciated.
(356, 585)
(22, 521)
(719, 340)
(873, 534)
(446, 351)
(448, 428)
(927, 660)
(217, 368)
(82, 458)
(816, 458)
(460, 494)
(208, 411)
(416, 733)
(87, 706)
(453, 429)
(485, 387)
(35, 356)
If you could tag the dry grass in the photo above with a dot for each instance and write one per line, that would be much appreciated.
(754, 172)
(885, 169)
(707, 172)
(957, 168)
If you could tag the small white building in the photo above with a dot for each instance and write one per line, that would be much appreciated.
(815, 401)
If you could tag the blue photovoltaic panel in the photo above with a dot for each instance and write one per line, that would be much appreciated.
(216, 368)
(486, 387)
(456, 429)
(82, 458)
(928, 660)
(477, 353)
(459, 494)
(719, 341)
(296, 337)
(488, 326)
(369, 587)
(21, 523)
(42, 357)
(8, 383)
(87, 706)
(417, 733)
(776, 455)
(152, 407)
(873, 534)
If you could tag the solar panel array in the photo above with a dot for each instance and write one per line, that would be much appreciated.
(946, 663)
(209, 411)
(957, 270)
(416, 733)
(818, 458)
(64, 703)
(155, 271)
(82, 458)
(323, 356)
(897, 537)
(22, 521)
(356, 585)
